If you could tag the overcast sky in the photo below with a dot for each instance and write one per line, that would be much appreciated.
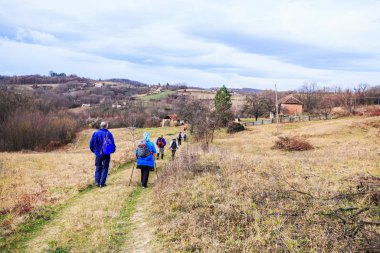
(238, 43)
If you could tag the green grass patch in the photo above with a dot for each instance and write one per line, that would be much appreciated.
(122, 226)
(157, 96)
(16, 241)
(251, 119)
(54, 248)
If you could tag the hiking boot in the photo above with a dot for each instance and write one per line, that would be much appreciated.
(103, 186)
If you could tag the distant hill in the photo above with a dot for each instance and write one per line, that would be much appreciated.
(126, 81)
(246, 90)
(238, 90)
(38, 79)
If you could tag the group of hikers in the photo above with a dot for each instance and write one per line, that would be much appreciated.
(102, 144)
(174, 144)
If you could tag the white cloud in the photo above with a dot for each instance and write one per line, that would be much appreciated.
(25, 35)
(154, 41)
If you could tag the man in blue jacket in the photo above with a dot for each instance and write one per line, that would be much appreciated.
(102, 145)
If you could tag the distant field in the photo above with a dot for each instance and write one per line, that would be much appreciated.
(237, 99)
(156, 96)
(250, 119)
(29, 87)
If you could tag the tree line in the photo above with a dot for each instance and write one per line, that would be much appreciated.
(315, 99)
(30, 123)
(205, 117)
(38, 79)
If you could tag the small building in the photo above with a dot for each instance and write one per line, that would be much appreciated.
(290, 105)
(171, 121)
(99, 85)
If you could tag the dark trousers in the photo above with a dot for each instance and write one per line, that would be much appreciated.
(173, 153)
(162, 156)
(179, 141)
(102, 164)
(144, 174)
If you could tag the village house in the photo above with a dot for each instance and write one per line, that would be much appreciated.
(172, 120)
(99, 85)
(290, 105)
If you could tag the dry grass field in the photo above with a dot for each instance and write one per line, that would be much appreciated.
(244, 196)
(237, 99)
(32, 181)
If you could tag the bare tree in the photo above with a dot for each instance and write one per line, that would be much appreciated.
(201, 117)
(360, 91)
(257, 105)
(189, 109)
(327, 103)
(347, 100)
(310, 95)
(205, 124)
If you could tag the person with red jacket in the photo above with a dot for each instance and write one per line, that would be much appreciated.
(161, 143)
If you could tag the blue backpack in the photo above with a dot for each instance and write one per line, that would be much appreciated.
(142, 149)
(108, 147)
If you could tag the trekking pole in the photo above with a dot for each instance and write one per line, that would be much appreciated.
(155, 168)
(131, 174)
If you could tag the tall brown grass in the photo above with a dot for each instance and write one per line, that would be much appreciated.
(222, 201)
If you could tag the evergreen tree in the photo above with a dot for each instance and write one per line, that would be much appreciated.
(223, 105)
(223, 99)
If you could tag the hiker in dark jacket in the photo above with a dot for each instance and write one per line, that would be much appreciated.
(179, 138)
(173, 146)
(161, 143)
(145, 154)
(102, 145)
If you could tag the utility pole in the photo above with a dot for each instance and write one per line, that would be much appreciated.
(275, 88)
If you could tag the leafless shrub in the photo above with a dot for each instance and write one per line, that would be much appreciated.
(234, 127)
(292, 143)
(35, 130)
(338, 112)
(373, 111)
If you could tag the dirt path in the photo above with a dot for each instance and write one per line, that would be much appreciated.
(141, 238)
(110, 219)
(90, 223)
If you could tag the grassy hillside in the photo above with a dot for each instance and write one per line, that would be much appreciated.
(244, 196)
(239, 196)
(237, 99)
(156, 96)
(36, 185)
